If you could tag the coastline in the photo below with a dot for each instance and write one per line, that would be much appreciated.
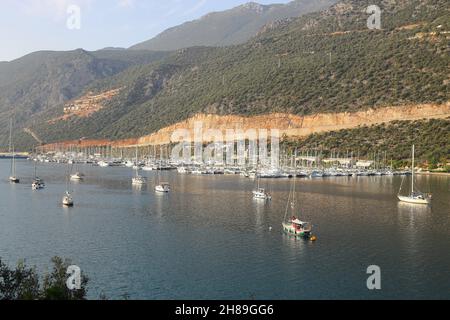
(444, 174)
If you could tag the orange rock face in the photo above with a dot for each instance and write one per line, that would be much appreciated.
(287, 124)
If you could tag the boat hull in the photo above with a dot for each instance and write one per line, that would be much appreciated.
(414, 200)
(290, 230)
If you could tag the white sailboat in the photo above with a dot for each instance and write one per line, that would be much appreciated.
(415, 197)
(67, 199)
(138, 180)
(294, 226)
(38, 183)
(12, 178)
(260, 193)
(161, 187)
(77, 176)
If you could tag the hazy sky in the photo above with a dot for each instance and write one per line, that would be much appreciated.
(32, 25)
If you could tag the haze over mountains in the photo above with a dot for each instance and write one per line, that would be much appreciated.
(327, 61)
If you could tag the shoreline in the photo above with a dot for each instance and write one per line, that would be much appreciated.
(444, 174)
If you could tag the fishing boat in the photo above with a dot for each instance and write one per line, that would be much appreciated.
(12, 178)
(415, 197)
(294, 226)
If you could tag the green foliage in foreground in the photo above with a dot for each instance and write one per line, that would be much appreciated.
(431, 137)
(24, 283)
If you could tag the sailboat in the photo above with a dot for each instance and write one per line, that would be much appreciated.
(12, 178)
(67, 199)
(416, 197)
(77, 176)
(260, 193)
(294, 226)
(138, 180)
(38, 183)
(161, 187)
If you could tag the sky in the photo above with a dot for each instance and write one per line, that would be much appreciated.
(32, 25)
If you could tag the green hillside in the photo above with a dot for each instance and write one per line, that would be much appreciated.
(431, 138)
(321, 62)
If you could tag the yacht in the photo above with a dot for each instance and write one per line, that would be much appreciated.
(261, 193)
(67, 200)
(415, 197)
(77, 176)
(138, 180)
(12, 178)
(38, 183)
(182, 170)
(163, 188)
(103, 164)
(294, 226)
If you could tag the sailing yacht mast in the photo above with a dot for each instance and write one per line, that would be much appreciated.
(11, 152)
(12, 177)
(412, 169)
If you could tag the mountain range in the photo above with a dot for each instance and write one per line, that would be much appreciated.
(321, 62)
(229, 27)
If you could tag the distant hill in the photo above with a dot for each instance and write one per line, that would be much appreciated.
(230, 27)
(42, 81)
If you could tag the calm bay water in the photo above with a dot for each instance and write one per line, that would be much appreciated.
(209, 239)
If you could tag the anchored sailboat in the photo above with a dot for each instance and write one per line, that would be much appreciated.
(260, 193)
(12, 178)
(138, 180)
(67, 199)
(161, 187)
(294, 226)
(38, 183)
(415, 197)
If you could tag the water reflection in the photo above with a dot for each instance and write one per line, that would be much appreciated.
(411, 212)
